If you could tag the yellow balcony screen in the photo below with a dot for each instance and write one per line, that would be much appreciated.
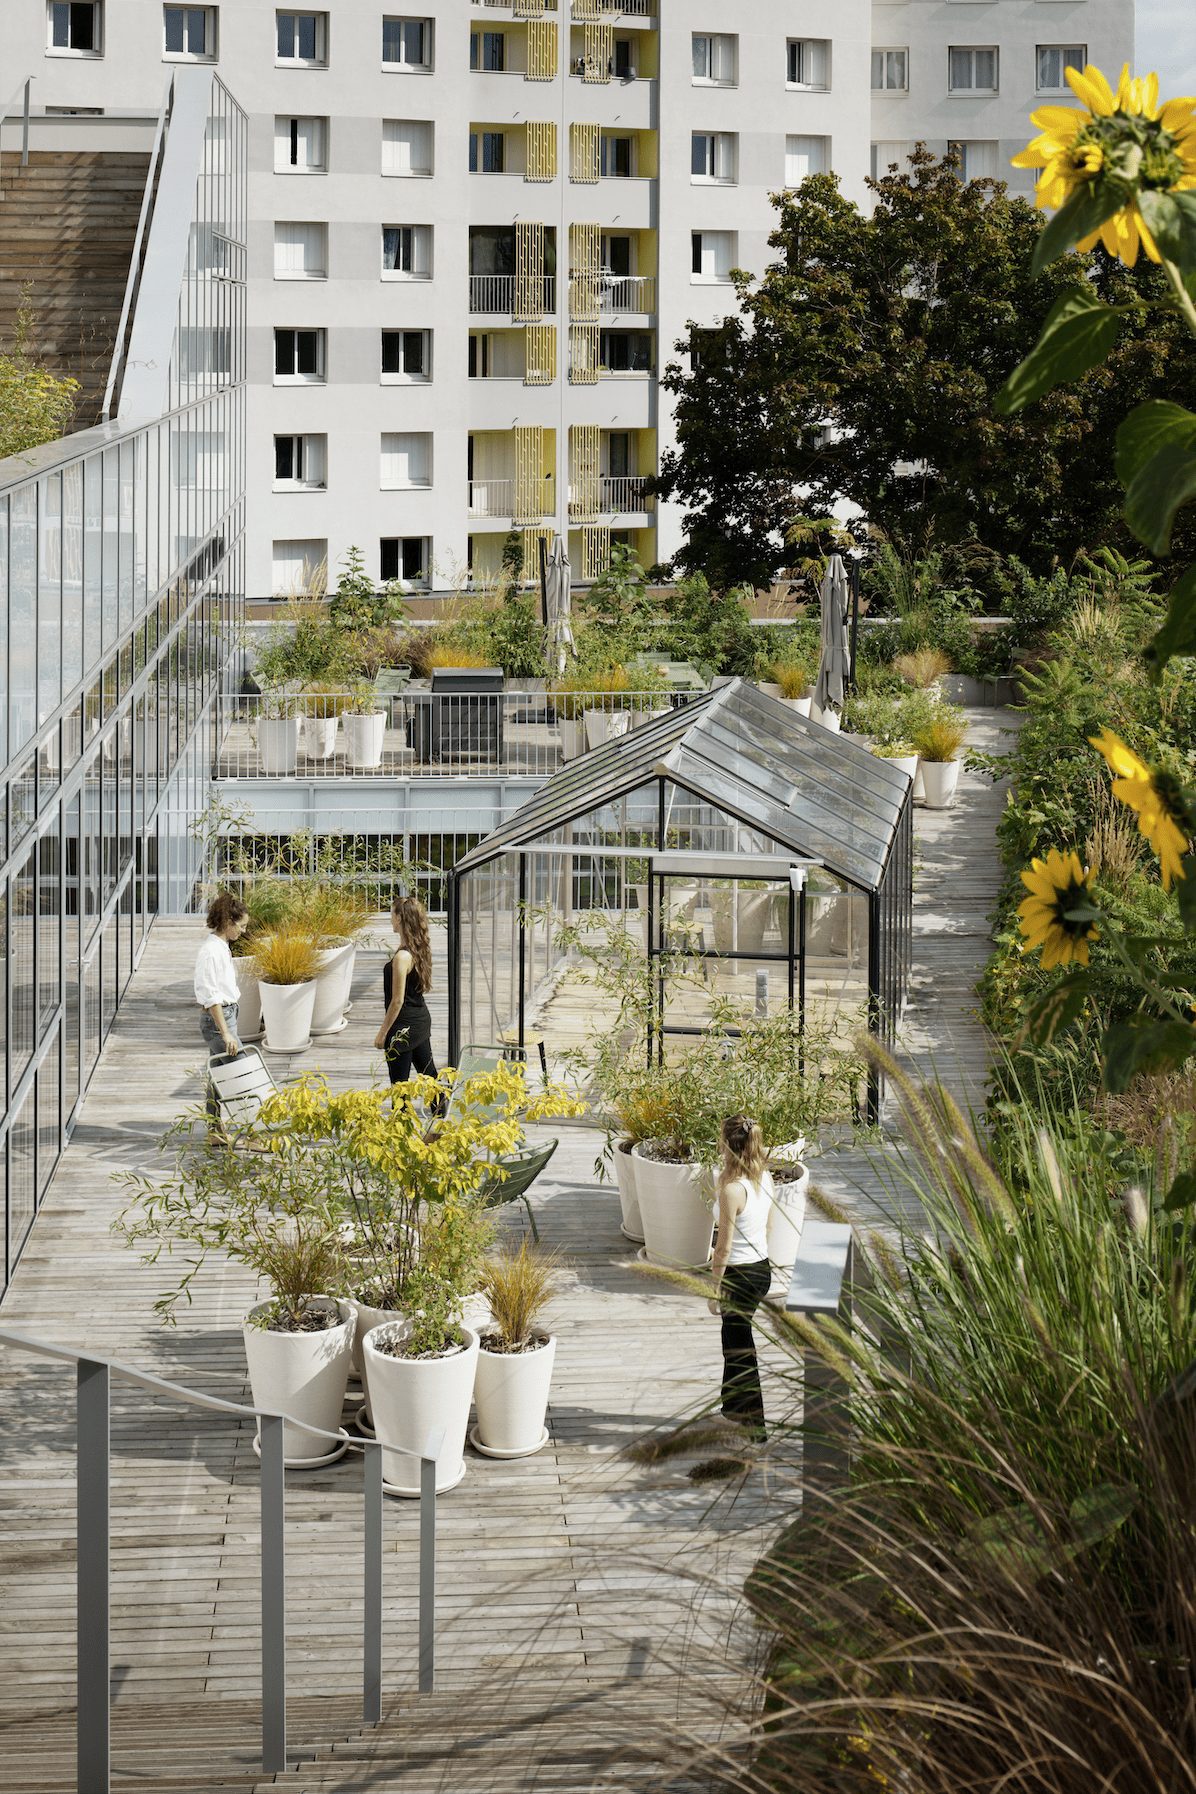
(585, 261)
(595, 550)
(598, 53)
(583, 463)
(583, 354)
(583, 152)
(529, 270)
(542, 50)
(529, 9)
(541, 150)
(540, 359)
(530, 484)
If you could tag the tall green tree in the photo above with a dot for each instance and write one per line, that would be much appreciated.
(863, 366)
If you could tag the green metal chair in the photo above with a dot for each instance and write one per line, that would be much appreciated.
(522, 1168)
(471, 1061)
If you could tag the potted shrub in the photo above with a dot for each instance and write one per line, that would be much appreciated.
(287, 961)
(421, 1374)
(673, 1169)
(899, 753)
(515, 1359)
(610, 716)
(938, 743)
(566, 694)
(276, 733)
(266, 899)
(322, 706)
(365, 729)
(792, 680)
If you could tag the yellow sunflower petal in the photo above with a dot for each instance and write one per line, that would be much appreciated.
(1092, 90)
(1121, 759)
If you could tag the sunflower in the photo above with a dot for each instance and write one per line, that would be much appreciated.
(1154, 799)
(1057, 885)
(1124, 141)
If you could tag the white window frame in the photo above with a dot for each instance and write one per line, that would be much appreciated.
(795, 48)
(720, 155)
(971, 51)
(963, 145)
(884, 85)
(1061, 50)
(895, 150)
(426, 125)
(427, 28)
(606, 140)
(714, 278)
(309, 455)
(304, 232)
(293, 579)
(392, 449)
(421, 580)
(292, 135)
(418, 244)
(294, 378)
(98, 22)
(211, 27)
(721, 57)
(296, 61)
(402, 378)
(792, 139)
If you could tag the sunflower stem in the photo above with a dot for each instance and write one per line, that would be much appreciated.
(1183, 298)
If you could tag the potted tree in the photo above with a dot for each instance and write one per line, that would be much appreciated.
(287, 962)
(938, 742)
(673, 1170)
(515, 1358)
(567, 697)
(365, 728)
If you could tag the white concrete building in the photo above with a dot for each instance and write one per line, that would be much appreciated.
(477, 230)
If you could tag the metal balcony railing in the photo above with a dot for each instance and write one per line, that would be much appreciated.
(491, 498)
(498, 293)
(616, 493)
(627, 292)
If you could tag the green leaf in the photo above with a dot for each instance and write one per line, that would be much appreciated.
(1171, 221)
(1078, 334)
(1056, 1009)
(1144, 1045)
(1178, 634)
(1157, 424)
(1182, 1193)
(1185, 892)
(1100, 1511)
(1162, 488)
(1084, 212)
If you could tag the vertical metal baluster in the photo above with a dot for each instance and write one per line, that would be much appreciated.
(427, 1574)
(274, 1597)
(372, 1642)
(93, 1673)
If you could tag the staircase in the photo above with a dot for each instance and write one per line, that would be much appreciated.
(67, 227)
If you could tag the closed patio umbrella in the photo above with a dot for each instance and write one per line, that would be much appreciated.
(558, 588)
(832, 668)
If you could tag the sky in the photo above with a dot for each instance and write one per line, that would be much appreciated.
(1166, 42)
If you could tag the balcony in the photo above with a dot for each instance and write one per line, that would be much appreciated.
(627, 292)
(618, 494)
(495, 499)
(495, 295)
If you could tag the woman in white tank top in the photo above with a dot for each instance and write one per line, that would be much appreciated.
(741, 1269)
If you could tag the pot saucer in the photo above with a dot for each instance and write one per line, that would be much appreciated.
(285, 1052)
(669, 1264)
(338, 1028)
(637, 1239)
(307, 1463)
(413, 1494)
(489, 1451)
(361, 1422)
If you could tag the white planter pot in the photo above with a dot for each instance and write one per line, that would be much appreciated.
(744, 927)
(830, 719)
(770, 686)
(364, 736)
(333, 983)
(785, 1218)
(801, 705)
(573, 737)
(919, 791)
(511, 1392)
(605, 725)
(907, 762)
(476, 1312)
(939, 779)
(675, 1211)
(286, 1012)
(278, 743)
(302, 1374)
(412, 1398)
(629, 1202)
(319, 736)
(249, 1002)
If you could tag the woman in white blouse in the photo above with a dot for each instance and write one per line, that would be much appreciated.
(216, 981)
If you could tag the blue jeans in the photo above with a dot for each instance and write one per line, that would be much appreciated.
(214, 1041)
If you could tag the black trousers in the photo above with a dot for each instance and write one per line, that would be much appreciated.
(741, 1292)
(404, 1055)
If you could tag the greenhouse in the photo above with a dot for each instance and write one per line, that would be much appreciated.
(772, 853)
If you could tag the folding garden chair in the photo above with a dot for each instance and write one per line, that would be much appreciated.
(522, 1168)
(242, 1082)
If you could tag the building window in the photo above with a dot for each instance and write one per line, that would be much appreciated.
(713, 255)
(298, 356)
(302, 39)
(407, 251)
(300, 251)
(971, 69)
(407, 146)
(296, 565)
(406, 355)
(407, 44)
(715, 58)
(406, 460)
(616, 158)
(1052, 62)
(805, 156)
(977, 161)
(406, 558)
(190, 32)
(301, 462)
(487, 152)
(75, 27)
(890, 71)
(887, 156)
(712, 156)
(300, 145)
(625, 351)
(809, 63)
(488, 50)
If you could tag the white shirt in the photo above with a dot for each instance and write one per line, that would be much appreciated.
(215, 979)
(749, 1239)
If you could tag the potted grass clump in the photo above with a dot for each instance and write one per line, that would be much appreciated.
(287, 962)
(515, 1357)
(901, 754)
(793, 681)
(938, 742)
(322, 707)
(276, 731)
(334, 915)
(567, 696)
(266, 900)
(365, 728)
(673, 1173)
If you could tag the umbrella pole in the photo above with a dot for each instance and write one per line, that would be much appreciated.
(855, 621)
(543, 581)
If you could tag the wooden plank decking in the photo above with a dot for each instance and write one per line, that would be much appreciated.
(571, 1585)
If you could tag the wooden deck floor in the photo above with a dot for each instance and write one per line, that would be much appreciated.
(569, 1577)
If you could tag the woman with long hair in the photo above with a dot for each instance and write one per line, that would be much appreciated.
(406, 1032)
(741, 1269)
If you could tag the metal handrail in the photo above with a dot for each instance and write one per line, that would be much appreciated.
(93, 1568)
(6, 112)
(137, 259)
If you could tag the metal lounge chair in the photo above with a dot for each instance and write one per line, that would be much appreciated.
(522, 1169)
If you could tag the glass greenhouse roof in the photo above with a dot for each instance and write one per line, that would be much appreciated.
(748, 755)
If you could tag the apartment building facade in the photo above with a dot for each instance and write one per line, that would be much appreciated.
(478, 229)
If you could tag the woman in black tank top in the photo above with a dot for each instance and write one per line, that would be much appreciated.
(406, 1032)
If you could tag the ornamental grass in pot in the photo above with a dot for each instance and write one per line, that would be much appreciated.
(276, 733)
(287, 962)
(938, 743)
(266, 899)
(515, 1360)
(335, 914)
(365, 729)
(322, 707)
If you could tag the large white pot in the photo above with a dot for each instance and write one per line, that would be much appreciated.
(675, 1210)
(278, 743)
(770, 686)
(412, 1398)
(333, 982)
(629, 1202)
(907, 762)
(939, 779)
(918, 793)
(319, 736)
(573, 737)
(785, 1218)
(830, 719)
(286, 1012)
(249, 1001)
(801, 705)
(752, 911)
(303, 1374)
(364, 736)
(604, 725)
(511, 1392)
